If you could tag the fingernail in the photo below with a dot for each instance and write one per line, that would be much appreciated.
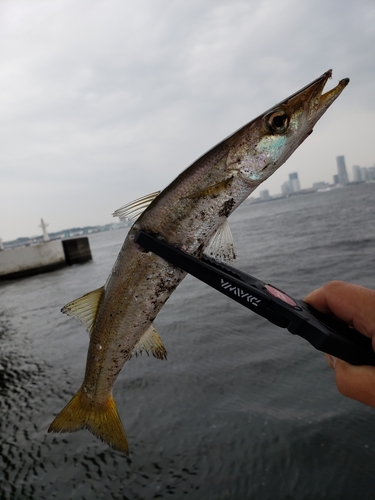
(333, 361)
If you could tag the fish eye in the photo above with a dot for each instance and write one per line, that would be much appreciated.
(277, 122)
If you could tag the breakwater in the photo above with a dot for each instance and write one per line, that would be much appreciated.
(47, 256)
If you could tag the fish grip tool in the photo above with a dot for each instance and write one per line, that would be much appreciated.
(326, 333)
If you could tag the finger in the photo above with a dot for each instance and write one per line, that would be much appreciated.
(356, 382)
(353, 304)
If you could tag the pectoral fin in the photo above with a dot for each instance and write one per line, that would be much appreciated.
(221, 246)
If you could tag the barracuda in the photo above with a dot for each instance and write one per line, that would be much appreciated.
(190, 213)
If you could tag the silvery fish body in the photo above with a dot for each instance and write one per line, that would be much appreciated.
(191, 213)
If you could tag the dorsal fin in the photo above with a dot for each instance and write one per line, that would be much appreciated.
(150, 342)
(85, 308)
(221, 246)
(133, 210)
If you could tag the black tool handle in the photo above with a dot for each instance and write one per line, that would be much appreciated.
(324, 332)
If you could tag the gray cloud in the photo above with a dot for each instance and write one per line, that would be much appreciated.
(102, 102)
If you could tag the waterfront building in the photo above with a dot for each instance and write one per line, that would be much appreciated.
(320, 185)
(371, 174)
(286, 189)
(265, 195)
(341, 170)
(292, 185)
(294, 182)
(357, 174)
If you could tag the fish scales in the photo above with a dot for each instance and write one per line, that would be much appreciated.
(191, 213)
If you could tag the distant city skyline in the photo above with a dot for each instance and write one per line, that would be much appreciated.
(359, 174)
(104, 102)
(292, 185)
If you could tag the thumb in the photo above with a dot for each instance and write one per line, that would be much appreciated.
(355, 382)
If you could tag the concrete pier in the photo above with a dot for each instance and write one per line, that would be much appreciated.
(77, 250)
(50, 255)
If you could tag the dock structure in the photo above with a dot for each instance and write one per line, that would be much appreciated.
(43, 257)
(77, 250)
(34, 259)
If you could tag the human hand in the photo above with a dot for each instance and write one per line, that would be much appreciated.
(355, 305)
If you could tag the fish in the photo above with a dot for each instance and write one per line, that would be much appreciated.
(192, 214)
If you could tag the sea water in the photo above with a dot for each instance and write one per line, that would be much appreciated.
(241, 409)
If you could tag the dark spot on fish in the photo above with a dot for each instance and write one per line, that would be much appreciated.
(226, 209)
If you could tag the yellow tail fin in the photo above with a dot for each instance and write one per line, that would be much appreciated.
(102, 420)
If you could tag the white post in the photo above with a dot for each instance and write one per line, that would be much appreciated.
(44, 225)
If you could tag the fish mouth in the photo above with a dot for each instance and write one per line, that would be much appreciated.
(312, 99)
(327, 98)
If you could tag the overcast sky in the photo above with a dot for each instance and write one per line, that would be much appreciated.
(105, 101)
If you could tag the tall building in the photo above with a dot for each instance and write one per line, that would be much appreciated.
(361, 174)
(291, 186)
(294, 182)
(357, 174)
(341, 170)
